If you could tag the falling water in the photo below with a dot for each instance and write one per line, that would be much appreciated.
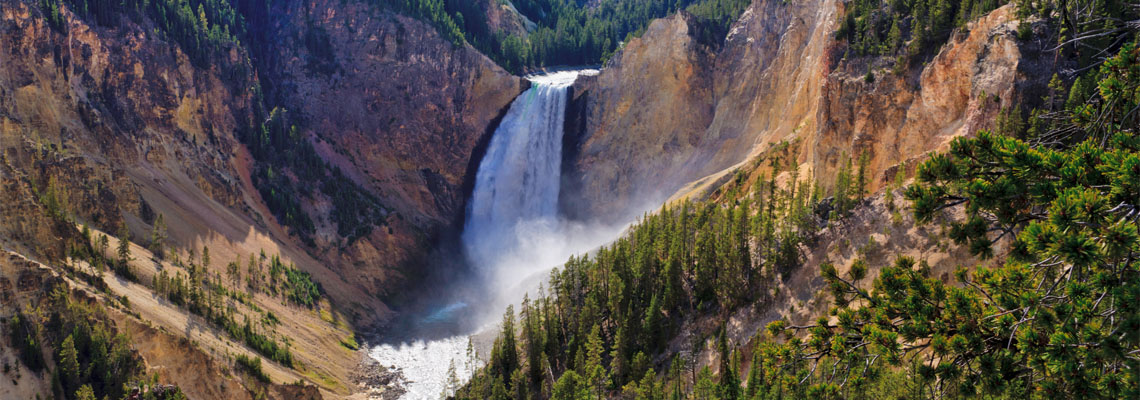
(512, 231)
(518, 179)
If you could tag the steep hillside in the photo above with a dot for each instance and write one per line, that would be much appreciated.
(626, 317)
(45, 305)
(126, 128)
(400, 111)
(314, 170)
(650, 105)
(780, 75)
(1005, 269)
(1017, 262)
(153, 134)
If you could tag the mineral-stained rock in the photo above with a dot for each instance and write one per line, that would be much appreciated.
(668, 115)
(399, 109)
(119, 126)
(650, 105)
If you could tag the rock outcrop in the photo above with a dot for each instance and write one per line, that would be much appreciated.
(399, 109)
(501, 16)
(115, 125)
(650, 105)
(779, 76)
(899, 118)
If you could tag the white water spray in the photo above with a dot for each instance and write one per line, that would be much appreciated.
(518, 179)
(512, 231)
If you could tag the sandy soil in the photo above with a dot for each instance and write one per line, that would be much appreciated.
(314, 335)
(18, 382)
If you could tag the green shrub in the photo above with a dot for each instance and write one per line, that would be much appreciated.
(252, 365)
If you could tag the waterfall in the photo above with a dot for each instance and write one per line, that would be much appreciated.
(516, 186)
(512, 232)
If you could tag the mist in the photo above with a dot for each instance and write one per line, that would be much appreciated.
(444, 345)
(538, 246)
(513, 237)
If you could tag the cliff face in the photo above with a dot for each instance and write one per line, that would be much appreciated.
(116, 125)
(94, 97)
(502, 16)
(131, 128)
(756, 87)
(652, 102)
(123, 127)
(768, 77)
(779, 76)
(898, 119)
(400, 110)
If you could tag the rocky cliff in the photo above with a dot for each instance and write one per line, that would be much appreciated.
(779, 76)
(115, 125)
(502, 16)
(400, 110)
(900, 117)
(650, 105)
(132, 128)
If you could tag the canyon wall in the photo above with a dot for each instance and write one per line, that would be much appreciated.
(116, 125)
(900, 117)
(779, 76)
(639, 121)
(121, 118)
(399, 109)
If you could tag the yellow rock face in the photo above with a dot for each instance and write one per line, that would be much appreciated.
(669, 113)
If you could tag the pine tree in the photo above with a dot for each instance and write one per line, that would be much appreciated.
(85, 393)
(85, 233)
(570, 387)
(253, 275)
(653, 324)
(100, 262)
(69, 363)
(675, 372)
(1056, 93)
(519, 385)
(674, 289)
(499, 390)
(533, 340)
(205, 257)
(452, 383)
(124, 249)
(596, 375)
(894, 36)
(755, 376)
(861, 181)
(1010, 122)
(729, 387)
(705, 388)
(917, 37)
(158, 237)
(233, 272)
(504, 354)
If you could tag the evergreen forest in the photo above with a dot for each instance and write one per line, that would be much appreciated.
(1054, 315)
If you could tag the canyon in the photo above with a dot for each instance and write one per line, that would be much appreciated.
(126, 130)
